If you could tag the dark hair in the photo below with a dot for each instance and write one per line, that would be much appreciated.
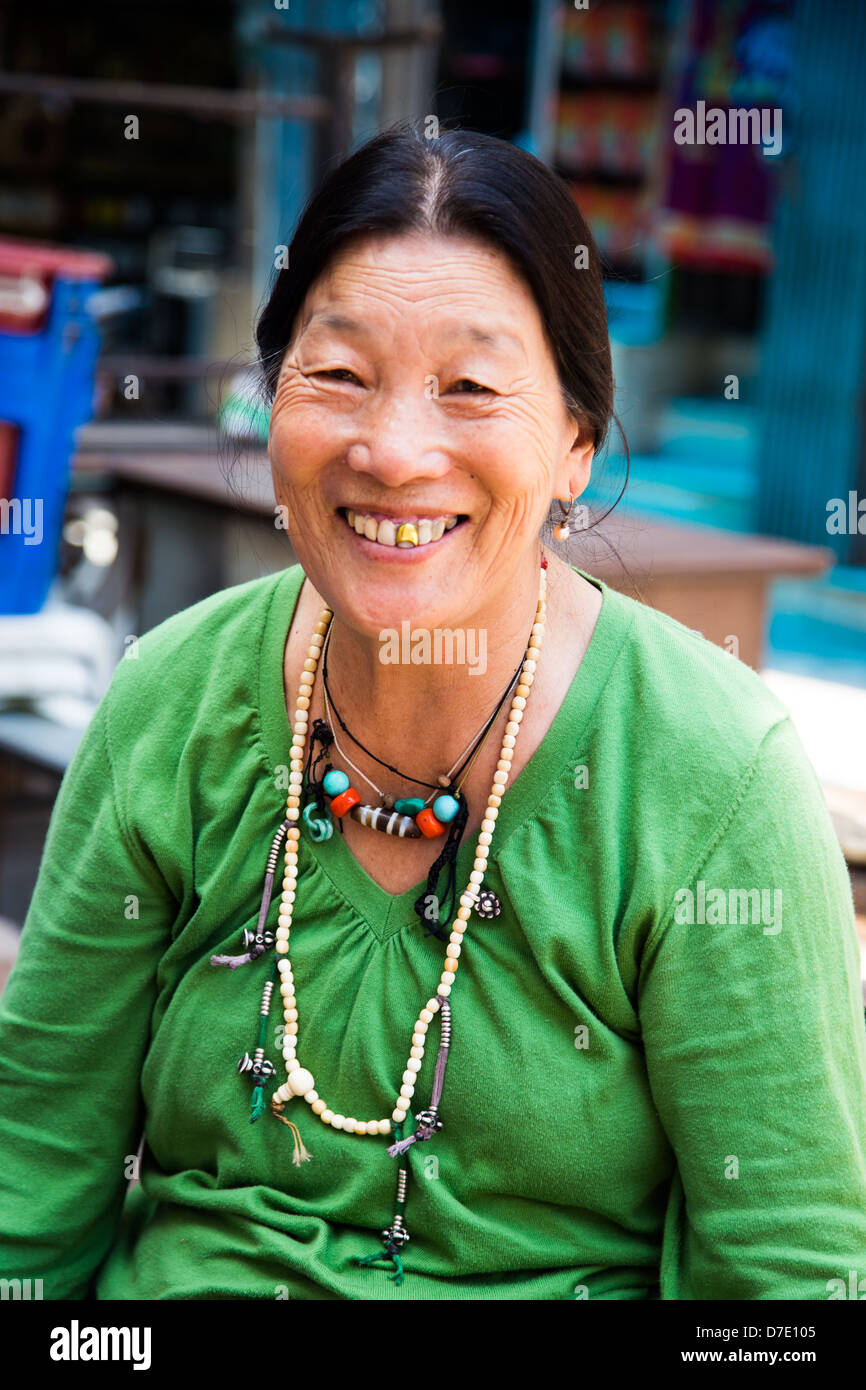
(461, 182)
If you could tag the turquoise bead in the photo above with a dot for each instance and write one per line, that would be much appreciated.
(445, 808)
(335, 782)
(408, 805)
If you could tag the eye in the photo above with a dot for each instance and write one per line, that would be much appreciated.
(475, 386)
(335, 372)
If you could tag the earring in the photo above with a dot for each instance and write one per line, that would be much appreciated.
(563, 530)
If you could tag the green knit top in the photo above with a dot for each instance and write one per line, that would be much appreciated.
(657, 1079)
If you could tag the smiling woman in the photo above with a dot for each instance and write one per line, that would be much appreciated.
(475, 1015)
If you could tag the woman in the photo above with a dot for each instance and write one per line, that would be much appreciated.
(566, 889)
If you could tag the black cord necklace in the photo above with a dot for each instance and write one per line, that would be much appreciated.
(427, 904)
(443, 782)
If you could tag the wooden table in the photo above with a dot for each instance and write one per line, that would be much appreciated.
(711, 580)
(714, 581)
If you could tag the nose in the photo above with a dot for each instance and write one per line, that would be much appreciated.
(398, 440)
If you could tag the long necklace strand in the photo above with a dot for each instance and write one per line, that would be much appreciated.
(299, 1081)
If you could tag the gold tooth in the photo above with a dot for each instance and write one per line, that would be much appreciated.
(408, 533)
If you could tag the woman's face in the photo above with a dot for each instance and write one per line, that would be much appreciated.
(420, 387)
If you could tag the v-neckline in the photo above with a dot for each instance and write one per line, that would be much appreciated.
(387, 913)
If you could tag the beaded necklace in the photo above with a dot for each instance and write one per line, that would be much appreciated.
(407, 806)
(405, 817)
(300, 1081)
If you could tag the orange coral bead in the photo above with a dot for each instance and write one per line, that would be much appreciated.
(345, 801)
(429, 824)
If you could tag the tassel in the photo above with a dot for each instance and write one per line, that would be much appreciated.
(396, 1235)
(382, 1259)
(234, 961)
(301, 1153)
(400, 1148)
(257, 1104)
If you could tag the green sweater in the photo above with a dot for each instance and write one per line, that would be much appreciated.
(637, 1105)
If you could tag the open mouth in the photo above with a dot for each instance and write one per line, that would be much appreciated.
(398, 532)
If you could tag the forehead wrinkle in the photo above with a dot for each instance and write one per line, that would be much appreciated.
(404, 288)
(491, 336)
(426, 279)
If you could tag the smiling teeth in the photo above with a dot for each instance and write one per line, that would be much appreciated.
(385, 532)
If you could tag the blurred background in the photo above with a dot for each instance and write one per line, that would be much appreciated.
(153, 162)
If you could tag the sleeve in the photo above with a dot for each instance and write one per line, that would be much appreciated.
(752, 1019)
(74, 1029)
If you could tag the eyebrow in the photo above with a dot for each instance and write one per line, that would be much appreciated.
(496, 336)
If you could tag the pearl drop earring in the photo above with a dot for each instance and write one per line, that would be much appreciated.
(563, 530)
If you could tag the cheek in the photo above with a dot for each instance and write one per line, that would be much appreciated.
(300, 441)
(515, 456)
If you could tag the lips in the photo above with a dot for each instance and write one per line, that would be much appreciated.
(411, 531)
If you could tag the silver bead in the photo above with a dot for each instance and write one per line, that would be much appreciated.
(488, 905)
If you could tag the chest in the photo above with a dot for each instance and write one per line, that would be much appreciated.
(540, 1088)
(397, 865)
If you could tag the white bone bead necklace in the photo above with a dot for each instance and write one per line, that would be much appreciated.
(299, 1080)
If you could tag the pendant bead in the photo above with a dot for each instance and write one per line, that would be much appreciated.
(445, 808)
(408, 805)
(389, 822)
(335, 781)
(429, 824)
(345, 801)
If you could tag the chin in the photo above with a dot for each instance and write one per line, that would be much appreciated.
(377, 602)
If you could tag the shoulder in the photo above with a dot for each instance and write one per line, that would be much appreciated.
(692, 709)
(692, 759)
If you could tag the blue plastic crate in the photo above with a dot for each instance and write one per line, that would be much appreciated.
(46, 389)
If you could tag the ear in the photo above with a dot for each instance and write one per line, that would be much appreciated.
(572, 475)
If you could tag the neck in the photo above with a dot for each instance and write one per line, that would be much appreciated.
(420, 707)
